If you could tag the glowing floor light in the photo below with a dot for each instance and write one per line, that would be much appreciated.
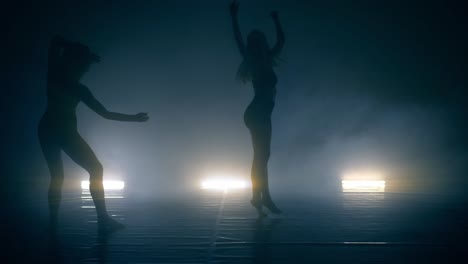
(224, 184)
(363, 186)
(108, 185)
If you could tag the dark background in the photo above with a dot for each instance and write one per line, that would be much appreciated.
(362, 85)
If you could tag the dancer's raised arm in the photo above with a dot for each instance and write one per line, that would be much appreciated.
(279, 35)
(88, 98)
(234, 8)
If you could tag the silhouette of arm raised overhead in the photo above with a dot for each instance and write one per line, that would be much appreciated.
(279, 35)
(234, 8)
(88, 98)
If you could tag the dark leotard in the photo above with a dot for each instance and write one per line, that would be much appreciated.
(59, 118)
(258, 113)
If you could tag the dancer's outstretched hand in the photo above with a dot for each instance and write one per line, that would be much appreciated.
(141, 117)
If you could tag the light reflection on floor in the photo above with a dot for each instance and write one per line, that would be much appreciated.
(221, 227)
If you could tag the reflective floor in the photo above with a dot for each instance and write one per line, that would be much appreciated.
(220, 227)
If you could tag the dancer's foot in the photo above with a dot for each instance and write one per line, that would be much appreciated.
(258, 205)
(108, 225)
(272, 207)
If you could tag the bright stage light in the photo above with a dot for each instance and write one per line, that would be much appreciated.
(363, 186)
(224, 184)
(363, 180)
(363, 175)
(108, 185)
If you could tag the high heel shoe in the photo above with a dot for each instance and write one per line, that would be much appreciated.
(109, 225)
(257, 203)
(272, 207)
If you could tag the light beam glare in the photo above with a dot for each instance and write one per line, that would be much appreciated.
(363, 186)
(223, 184)
(108, 185)
(363, 180)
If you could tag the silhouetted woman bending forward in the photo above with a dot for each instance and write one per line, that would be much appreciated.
(257, 67)
(68, 62)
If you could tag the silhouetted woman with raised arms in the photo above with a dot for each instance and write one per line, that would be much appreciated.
(68, 62)
(257, 67)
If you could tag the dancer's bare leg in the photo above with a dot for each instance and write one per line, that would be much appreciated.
(261, 139)
(52, 154)
(80, 152)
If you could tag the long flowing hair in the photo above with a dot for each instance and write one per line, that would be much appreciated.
(257, 54)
